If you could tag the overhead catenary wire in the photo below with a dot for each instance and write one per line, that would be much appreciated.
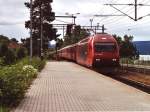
(109, 21)
(120, 19)
(63, 21)
(129, 10)
(102, 10)
(125, 25)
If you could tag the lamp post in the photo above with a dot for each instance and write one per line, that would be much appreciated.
(31, 46)
(39, 49)
(41, 30)
(73, 16)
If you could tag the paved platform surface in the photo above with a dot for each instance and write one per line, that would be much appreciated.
(68, 87)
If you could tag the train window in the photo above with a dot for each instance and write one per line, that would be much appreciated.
(101, 47)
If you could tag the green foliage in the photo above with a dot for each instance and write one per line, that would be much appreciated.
(21, 53)
(69, 28)
(76, 35)
(3, 49)
(38, 64)
(59, 43)
(127, 48)
(13, 84)
(118, 39)
(3, 109)
(14, 40)
(4, 40)
(30, 71)
(42, 11)
(15, 79)
(1, 62)
(10, 57)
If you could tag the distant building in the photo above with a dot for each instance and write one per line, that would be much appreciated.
(14, 45)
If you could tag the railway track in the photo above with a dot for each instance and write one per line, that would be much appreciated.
(129, 78)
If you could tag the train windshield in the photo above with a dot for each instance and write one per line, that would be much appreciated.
(107, 47)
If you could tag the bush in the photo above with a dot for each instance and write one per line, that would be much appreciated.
(4, 109)
(3, 49)
(30, 71)
(15, 79)
(36, 63)
(10, 57)
(21, 53)
(1, 62)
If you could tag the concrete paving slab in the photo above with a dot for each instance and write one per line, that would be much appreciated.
(68, 87)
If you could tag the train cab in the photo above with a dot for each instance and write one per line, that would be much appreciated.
(106, 50)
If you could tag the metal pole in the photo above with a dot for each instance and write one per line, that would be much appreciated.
(103, 29)
(95, 29)
(63, 31)
(135, 10)
(74, 17)
(41, 34)
(91, 20)
(31, 46)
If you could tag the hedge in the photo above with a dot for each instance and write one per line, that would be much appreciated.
(4, 109)
(15, 79)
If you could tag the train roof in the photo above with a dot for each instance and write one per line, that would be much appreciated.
(104, 38)
(72, 45)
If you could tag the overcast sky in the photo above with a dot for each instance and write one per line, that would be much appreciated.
(13, 13)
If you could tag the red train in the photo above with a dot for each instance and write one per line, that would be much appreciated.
(97, 50)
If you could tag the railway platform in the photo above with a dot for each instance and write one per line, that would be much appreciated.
(68, 87)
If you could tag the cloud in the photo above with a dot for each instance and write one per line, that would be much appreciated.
(115, 25)
(13, 14)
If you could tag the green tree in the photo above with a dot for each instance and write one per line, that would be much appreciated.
(59, 43)
(4, 40)
(14, 40)
(128, 49)
(10, 57)
(76, 35)
(21, 53)
(118, 39)
(3, 49)
(42, 16)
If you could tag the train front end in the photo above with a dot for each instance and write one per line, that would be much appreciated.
(106, 51)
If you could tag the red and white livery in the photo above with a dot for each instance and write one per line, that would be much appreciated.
(96, 50)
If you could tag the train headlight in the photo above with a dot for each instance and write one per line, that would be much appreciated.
(98, 59)
(114, 59)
